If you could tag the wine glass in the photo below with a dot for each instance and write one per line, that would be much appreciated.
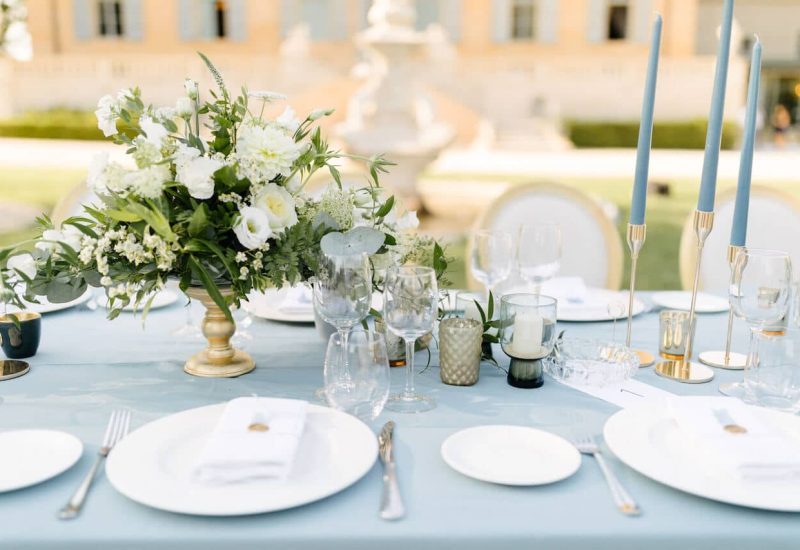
(539, 253)
(342, 293)
(410, 305)
(759, 293)
(357, 374)
(492, 257)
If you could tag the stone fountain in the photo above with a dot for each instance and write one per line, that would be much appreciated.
(389, 114)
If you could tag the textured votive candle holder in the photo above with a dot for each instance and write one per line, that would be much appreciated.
(460, 351)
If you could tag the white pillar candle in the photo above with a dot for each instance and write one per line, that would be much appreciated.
(526, 342)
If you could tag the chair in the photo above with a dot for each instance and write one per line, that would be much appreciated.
(591, 245)
(773, 222)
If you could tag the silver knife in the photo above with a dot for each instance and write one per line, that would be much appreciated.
(391, 501)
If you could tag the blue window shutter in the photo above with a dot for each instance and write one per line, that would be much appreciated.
(598, 21)
(427, 13)
(83, 19)
(132, 19)
(642, 20)
(288, 16)
(450, 18)
(187, 19)
(501, 20)
(237, 20)
(338, 19)
(547, 21)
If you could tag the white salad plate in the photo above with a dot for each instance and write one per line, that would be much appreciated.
(153, 465)
(28, 457)
(648, 439)
(268, 305)
(45, 306)
(679, 299)
(511, 455)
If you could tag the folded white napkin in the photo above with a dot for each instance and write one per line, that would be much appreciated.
(761, 453)
(240, 448)
(298, 301)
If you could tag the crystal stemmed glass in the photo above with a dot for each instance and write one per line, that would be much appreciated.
(492, 257)
(759, 293)
(343, 292)
(410, 304)
(357, 374)
(539, 253)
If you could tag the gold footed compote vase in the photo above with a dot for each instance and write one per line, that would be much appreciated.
(220, 359)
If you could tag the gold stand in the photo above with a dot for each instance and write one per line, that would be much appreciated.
(726, 359)
(219, 359)
(685, 370)
(636, 237)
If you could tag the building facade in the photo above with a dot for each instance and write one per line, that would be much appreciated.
(503, 62)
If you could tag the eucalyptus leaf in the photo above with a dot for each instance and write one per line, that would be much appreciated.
(356, 241)
(59, 292)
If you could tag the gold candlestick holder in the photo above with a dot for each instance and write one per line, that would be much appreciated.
(726, 359)
(685, 370)
(636, 236)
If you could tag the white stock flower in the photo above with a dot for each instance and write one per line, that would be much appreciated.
(278, 204)
(148, 182)
(24, 263)
(264, 153)
(17, 41)
(287, 121)
(106, 114)
(190, 86)
(184, 107)
(252, 229)
(154, 131)
(408, 221)
(196, 172)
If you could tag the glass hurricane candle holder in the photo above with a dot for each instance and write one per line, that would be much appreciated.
(527, 335)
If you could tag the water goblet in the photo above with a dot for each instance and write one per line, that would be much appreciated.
(492, 257)
(539, 253)
(772, 378)
(357, 374)
(759, 293)
(410, 305)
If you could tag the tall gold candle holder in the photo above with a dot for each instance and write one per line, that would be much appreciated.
(636, 236)
(685, 370)
(726, 359)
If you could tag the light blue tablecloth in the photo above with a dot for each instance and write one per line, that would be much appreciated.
(87, 366)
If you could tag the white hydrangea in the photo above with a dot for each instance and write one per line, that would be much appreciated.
(264, 153)
(196, 172)
(278, 204)
(146, 152)
(148, 182)
(253, 228)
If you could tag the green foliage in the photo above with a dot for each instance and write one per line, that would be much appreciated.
(52, 124)
(666, 135)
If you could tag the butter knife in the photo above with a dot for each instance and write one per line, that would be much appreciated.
(391, 501)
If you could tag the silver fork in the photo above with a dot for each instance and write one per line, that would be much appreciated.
(622, 498)
(117, 428)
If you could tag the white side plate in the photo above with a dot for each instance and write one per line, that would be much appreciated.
(28, 457)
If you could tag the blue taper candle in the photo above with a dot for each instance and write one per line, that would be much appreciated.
(739, 228)
(646, 130)
(708, 181)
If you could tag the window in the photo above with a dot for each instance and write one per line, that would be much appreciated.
(523, 14)
(109, 18)
(617, 21)
(220, 19)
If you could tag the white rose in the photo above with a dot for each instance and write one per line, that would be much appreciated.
(198, 176)
(191, 88)
(184, 107)
(253, 228)
(278, 204)
(408, 221)
(287, 121)
(106, 114)
(24, 263)
(154, 131)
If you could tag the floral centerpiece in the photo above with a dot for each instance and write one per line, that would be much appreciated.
(213, 196)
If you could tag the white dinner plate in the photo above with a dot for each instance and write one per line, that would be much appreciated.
(600, 305)
(648, 440)
(153, 465)
(45, 306)
(162, 299)
(28, 457)
(511, 455)
(267, 305)
(679, 299)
